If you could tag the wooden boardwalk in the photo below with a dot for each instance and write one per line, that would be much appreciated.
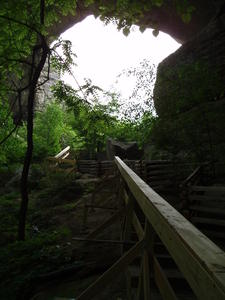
(159, 246)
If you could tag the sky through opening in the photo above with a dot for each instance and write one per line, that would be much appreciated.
(103, 53)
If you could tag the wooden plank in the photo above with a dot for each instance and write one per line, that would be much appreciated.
(194, 174)
(146, 275)
(63, 161)
(116, 270)
(137, 226)
(107, 223)
(103, 241)
(212, 198)
(214, 189)
(130, 206)
(85, 215)
(126, 235)
(70, 170)
(160, 182)
(162, 177)
(211, 210)
(128, 284)
(139, 295)
(153, 162)
(61, 153)
(65, 155)
(210, 221)
(214, 234)
(160, 173)
(101, 207)
(199, 259)
(159, 167)
(162, 282)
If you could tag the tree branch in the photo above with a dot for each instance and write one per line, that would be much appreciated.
(42, 12)
(9, 134)
(21, 23)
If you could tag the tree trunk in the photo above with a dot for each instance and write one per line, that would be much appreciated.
(28, 157)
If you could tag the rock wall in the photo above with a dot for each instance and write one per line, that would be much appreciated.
(195, 70)
(44, 93)
(189, 94)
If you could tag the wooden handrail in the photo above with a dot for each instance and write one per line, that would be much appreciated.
(63, 152)
(191, 177)
(61, 158)
(198, 258)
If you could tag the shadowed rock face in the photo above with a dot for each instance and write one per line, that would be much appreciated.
(165, 18)
(189, 94)
(194, 73)
(128, 150)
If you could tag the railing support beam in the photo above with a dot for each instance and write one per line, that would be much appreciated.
(113, 272)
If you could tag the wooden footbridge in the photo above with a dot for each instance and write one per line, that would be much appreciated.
(160, 247)
(165, 254)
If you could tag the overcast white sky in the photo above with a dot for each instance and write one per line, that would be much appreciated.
(103, 52)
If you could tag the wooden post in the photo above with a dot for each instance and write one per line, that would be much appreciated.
(117, 215)
(140, 295)
(127, 235)
(162, 282)
(85, 214)
(149, 240)
(113, 272)
(199, 259)
(146, 275)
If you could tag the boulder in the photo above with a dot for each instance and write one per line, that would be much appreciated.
(125, 150)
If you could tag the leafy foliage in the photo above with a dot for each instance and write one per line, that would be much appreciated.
(25, 260)
(12, 150)
(125, 12)
(94, 122)
(142, 95)
(49, 130)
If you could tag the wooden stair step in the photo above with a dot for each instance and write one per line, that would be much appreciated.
(170, 273)
(160, 172)
(214, 234)
(209, 189)
(210, 210)
(207, 198)
(211, 221)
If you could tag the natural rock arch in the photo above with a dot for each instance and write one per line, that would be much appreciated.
(165, 18)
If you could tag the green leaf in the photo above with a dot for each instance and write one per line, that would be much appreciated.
(155, 32)
(158, 3)
(126, 31)
(88, 2)
(186, 17)
(142, 28)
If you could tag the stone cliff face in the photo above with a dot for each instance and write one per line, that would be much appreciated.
(195, 70)
(44, 93)
(189, 94)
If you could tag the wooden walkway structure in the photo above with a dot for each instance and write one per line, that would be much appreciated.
(61, 162)
(157, 224)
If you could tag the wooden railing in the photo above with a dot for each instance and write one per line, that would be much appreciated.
(200, 261)
(61, 159)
